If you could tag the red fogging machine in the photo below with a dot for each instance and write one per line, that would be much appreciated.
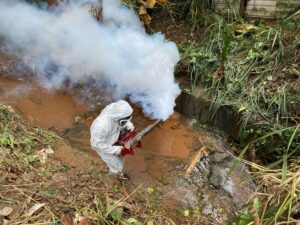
(134, 139)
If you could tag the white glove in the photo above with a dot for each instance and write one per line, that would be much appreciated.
(129, 126)
(118, 150)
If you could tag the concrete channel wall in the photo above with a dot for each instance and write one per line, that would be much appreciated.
(265, 9)
(193, 106)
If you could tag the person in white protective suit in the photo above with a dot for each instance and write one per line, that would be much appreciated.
(105, 132)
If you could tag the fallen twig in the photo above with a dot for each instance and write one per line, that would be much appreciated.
(199, 154)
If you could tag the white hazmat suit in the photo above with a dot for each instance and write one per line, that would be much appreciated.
(105, 132)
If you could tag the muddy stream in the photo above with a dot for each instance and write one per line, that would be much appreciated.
(166, 153)
(168, 146)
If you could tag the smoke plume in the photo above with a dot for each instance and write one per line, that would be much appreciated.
(67, 43)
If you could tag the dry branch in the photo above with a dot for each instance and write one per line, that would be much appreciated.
(195, 160)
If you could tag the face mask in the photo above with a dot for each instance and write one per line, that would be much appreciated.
(122, 122)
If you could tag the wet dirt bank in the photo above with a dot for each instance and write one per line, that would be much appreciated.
(170, 144)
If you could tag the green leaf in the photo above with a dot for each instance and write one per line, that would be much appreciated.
(131, 220)
(236, 161)
(256, 204)
(292, 138)
(150, 190)
(284, 168)
(150, 222)
(284, 206)
(116, 214)
(186, 213)
(49, 192)
(244, 218)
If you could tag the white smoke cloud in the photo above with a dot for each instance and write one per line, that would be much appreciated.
(70, 44)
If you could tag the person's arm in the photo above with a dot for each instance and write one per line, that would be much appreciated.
(102, 147)
(99, 135)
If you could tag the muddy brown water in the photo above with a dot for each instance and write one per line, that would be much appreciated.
(167, 147)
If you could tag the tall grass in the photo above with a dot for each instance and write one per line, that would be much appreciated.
(193, 11)
(254, 70)
(277, 200)
(228, 60)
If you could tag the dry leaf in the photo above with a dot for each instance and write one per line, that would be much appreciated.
(144, 15)
(6, 211)
(161, 2)
(78, 218)
(143, 11)
(150, 4)
(35, 208)
(66, 219)
(85, 221)
(296, 72)
(42, 155)
(146, 19)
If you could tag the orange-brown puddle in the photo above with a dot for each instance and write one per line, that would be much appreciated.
(168, 144)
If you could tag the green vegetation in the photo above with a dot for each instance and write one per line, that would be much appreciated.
(260, 56)
(194, 11)
(253, 69)
(19, 139)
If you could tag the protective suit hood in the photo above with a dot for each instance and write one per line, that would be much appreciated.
(117, 110)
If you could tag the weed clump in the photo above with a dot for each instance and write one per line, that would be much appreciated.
(21, 140)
